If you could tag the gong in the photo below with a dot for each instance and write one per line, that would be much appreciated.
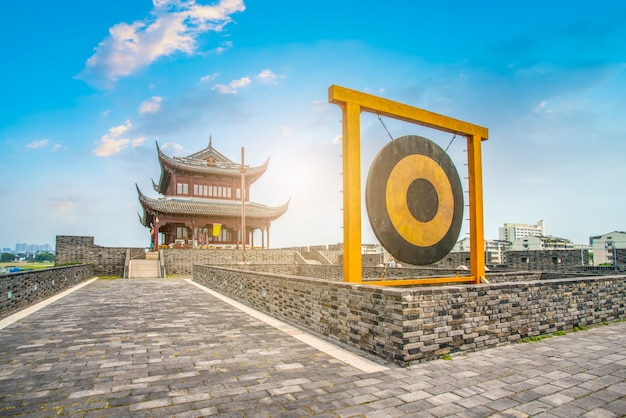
(414, 200)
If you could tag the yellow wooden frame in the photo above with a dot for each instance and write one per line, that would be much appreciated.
(352, 103)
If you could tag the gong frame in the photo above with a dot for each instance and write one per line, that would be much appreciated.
(352, 103)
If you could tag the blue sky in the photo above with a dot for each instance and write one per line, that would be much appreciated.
(88, 87)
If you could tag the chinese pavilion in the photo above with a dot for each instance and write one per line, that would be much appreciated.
(202, 205)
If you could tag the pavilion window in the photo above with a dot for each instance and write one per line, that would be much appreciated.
(185, 188)
(179, 188)
(195, 189)
(228, 192)
(238, 193)
(205, 190)
(181, 232)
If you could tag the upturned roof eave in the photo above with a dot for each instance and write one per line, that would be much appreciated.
(210, 207)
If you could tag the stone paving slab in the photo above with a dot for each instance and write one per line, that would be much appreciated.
(164, 348)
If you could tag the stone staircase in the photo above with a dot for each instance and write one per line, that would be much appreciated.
(145, 268)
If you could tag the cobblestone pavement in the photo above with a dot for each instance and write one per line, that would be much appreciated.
(163, 348)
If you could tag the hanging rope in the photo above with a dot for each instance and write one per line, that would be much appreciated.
(451, 141)
(384, 126)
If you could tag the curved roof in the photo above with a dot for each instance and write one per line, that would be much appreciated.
(207, 207)
(207, 162)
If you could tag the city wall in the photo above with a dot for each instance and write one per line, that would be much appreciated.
(110, 260)
(105, 261)
(410, 325)
(335, 273)
(181, 261)
(547, 260)
(22, 289)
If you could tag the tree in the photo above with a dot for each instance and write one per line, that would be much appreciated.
(44, 257)
(5, 257)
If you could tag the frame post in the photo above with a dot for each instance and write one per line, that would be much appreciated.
(351, 150)
(477, 230)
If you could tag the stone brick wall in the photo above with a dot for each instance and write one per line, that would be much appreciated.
(106, 261)
(19, 290)
(547, 260)
(179, 261)
(335, 273)
(335, 257)
(409, 325)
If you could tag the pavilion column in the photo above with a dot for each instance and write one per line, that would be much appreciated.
(155, 237)
(193, 234)
(263, 238)
(268, 237)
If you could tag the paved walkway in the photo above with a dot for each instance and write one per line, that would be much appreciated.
(164, 348)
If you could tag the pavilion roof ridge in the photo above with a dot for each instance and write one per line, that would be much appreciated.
(228, 167)
(209, 151)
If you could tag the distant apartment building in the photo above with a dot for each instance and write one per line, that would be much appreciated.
(537, 242)
(608, 248)
(510, 232)
(494, 250)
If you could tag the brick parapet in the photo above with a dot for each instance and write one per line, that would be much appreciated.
(19, 290)
(181, 261)
(106, 261)
(547, 260)
(409, 325)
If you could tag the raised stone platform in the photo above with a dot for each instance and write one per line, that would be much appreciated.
(414, 324)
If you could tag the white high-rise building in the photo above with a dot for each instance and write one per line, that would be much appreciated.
(511, 232)
(605, 247)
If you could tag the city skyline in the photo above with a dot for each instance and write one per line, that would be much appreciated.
(89, 89)
(22, 247)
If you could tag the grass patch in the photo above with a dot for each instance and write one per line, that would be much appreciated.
(556, 334)
(34, 266)
(535, 338)
(446, 357)
(109, 277)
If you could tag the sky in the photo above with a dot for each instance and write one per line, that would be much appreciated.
(88, 88)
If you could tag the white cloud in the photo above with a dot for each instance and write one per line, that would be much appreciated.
(37, 144)
(116, 140)
(152, 105)
(137, 141)
(223, 47)
(209, 77)
(267, 76)
(173, 26)
(56, 147)
(233, 87)
(172, 147)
